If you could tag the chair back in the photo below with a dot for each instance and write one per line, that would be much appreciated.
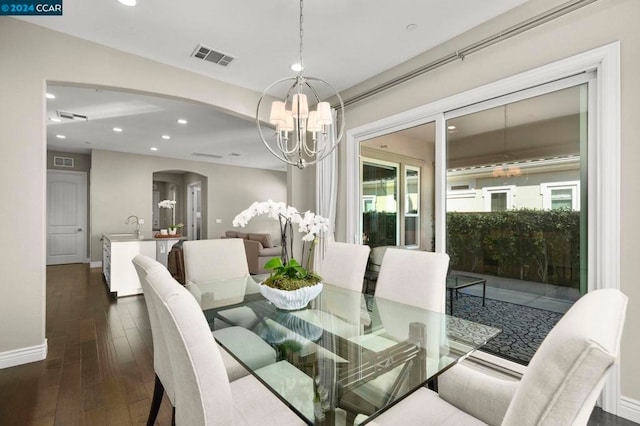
(567, 373)
(213, 260)
(203, 393)
(344, 265)
(144, 266)
(414, 277)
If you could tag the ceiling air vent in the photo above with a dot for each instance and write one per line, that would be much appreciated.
(71, 115)
(202, 154)
(208, 54)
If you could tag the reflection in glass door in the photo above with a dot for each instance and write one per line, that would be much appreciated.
(379, 203)
(412, 206)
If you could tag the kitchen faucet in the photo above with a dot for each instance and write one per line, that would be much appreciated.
(128, 222)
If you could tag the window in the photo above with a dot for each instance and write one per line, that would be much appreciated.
(560, 195)
(498, 199)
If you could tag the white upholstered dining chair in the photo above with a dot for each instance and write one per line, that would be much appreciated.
(414, 277)
(207, 261)
(344, 264)
(164, 381)
(261, 353)
(203, 393)
(212, 260)
(560, 387)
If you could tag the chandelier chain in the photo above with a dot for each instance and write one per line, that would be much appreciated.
(301, 34)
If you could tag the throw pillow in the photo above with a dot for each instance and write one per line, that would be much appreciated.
(242, 235)
(231, 234)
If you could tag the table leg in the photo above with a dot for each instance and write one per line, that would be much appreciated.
(484, 291)
(451, 301)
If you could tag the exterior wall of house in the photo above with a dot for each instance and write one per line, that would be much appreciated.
(595, 25)
(527, 192)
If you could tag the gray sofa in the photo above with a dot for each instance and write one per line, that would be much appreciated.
(258, 247)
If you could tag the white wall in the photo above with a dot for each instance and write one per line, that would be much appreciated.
(595, 25)
(121, 185)
(29, 57)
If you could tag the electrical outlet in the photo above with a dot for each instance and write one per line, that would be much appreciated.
(141, 221)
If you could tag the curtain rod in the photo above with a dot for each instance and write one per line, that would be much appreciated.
(460, 54)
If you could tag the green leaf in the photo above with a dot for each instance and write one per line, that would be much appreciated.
(273, 263)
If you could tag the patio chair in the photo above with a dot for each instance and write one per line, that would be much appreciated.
(560, 387)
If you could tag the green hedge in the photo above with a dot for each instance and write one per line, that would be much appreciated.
(532, 245)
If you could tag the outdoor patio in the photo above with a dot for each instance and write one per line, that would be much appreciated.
(525, 311)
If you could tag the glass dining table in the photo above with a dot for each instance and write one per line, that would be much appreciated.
(347, 353)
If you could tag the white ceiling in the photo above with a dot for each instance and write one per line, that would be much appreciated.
(345, 42)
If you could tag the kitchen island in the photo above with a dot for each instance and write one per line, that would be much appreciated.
(117, 252)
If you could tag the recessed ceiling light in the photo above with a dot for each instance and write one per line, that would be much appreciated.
(182, 121)
(50, 96)
(55, 119)
(61, 136)
(451, 127)
(128, 2)
(296, 67)
(411, 27)
(166, 137)
(117, 129)
(153, 148)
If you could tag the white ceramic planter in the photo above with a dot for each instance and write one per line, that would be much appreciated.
(291, 300)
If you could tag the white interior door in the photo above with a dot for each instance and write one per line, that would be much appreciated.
(194, 207)
(66, 217)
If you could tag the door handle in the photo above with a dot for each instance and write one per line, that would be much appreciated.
(79, 229)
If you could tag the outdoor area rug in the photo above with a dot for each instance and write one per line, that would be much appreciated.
(523, 328)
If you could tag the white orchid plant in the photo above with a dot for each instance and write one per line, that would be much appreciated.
(170, 204)
(288, 273)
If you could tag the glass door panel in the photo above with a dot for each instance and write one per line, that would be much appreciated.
(379, 203)
(516, 210)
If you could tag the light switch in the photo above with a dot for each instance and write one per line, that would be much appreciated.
(141, 221)
(218, 220)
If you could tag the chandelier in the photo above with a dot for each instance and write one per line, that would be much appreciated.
(303, 135)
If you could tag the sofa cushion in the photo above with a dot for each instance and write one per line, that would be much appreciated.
(242, 235)
(264, 239)
(271, 252)
(231, 234)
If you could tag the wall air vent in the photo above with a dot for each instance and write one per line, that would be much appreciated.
(65, 162)
(71, 115)
(208, 54)
(202, 154)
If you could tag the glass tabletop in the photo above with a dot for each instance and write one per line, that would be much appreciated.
(458, 281)
(345, 351)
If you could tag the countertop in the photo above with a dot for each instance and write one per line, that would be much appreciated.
(124, 237)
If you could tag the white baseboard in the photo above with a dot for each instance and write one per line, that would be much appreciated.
(96, 264)
(23, 355)
(629, 409)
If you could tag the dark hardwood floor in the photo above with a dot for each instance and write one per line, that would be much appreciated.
(99, 370)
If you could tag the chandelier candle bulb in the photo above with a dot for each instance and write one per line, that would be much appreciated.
(324, 113)
(299, 106)
(277, 113)
(312, 122)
